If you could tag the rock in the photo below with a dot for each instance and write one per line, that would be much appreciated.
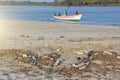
(106, 52)
(62, 37)
(57, 50)
(29, 56)
(57, 63)
(82, 67)
(96, 54)
(97, 62)
(22, 35)
(80, 52)
(54, 55)
(34, 58)
(24, 55)
(15, 57)
(20, 63)
(45, 58)
(118, 57)
(90, 53)
(78, 58)
(41, 38)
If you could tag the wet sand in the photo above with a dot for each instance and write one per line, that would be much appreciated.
(69, 37)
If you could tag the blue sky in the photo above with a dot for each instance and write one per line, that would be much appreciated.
(31, 0)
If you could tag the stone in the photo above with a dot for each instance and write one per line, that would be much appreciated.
(57, 50)
(15, 57)
(106, 52)
(80, 52)
(62, 37)
(54, 55)
(97, 62)
(34, 58)
(118, 57)
(90, 53)
(20, 63)
(83, 67)
(45, 58)
(57, 63)
(96, 54)
(24, 55)
(41, 38)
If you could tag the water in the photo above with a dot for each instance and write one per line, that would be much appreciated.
(91, 15)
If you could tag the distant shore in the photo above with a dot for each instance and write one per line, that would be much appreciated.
(72, 3)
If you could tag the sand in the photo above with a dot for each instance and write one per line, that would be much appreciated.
(26, 34)
(71, 37)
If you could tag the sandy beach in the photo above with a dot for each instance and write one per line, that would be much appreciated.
(26, 34)
(64, 37)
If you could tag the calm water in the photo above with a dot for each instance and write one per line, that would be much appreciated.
(91, 15)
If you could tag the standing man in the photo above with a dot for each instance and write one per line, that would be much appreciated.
(66, 12)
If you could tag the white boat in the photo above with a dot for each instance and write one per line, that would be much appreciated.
(69, 18)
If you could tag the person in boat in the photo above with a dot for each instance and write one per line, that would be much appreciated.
(59, 14)
(66, 12)
(54, 14)
(76, 13)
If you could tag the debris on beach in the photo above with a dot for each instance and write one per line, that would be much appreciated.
(88, 64)
(41, 38)
(96, 62)
(50, 59)
(27, 36)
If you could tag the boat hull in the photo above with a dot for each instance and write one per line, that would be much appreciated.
(70, 18)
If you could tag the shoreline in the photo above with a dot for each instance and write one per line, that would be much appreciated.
(64, 22)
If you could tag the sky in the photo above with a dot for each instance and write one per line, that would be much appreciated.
(31, 0)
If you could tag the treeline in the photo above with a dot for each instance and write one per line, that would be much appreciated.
(25, 3)
(87, 2)
(64, 3)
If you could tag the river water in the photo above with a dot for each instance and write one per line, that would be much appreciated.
(91, 15)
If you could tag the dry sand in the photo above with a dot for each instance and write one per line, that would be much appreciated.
(19, 34)
(26, 34)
